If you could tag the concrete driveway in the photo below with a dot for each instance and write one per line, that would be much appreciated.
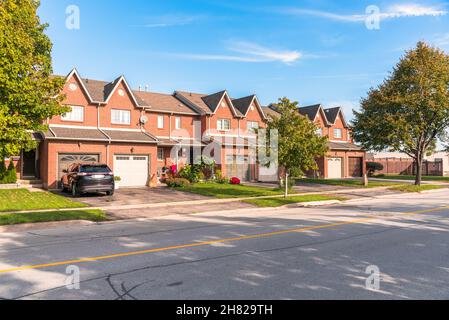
(137, 196)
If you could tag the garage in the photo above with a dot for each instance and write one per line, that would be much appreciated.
(65, 160)
(133, 170)
(238, 166)
(356, 167)
(335, 168)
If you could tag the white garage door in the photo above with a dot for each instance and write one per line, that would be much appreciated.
(335, 168)
(133, 170)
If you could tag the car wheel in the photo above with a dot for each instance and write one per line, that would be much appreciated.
(110, 193)
(75, 192)
(64, 188)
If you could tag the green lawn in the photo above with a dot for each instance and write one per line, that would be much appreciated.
(22, 199)
(356, 183)
(226, 191)
(279, 202)
(412, 178)
(89, 215)
(413, 188)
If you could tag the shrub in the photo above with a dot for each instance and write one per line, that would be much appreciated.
(177, 182)
(3, 173)
(191, 173)
(235, 181)
(11, 174)
(219, 178)
(372, 167)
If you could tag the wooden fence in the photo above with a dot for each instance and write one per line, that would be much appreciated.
(406, 166)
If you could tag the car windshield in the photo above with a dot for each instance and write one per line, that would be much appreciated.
(94, 169)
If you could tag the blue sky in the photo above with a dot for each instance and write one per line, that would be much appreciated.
(316, 51)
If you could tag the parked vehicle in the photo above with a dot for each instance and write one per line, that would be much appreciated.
(82, 178)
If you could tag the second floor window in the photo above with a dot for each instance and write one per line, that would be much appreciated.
(338, 133)
(160, 122)
(319, 132)
(77, 114)
(224, 124)
(121, 117)
(253, 125)
(178, 123)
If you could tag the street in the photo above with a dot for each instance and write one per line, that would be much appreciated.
(288, 253)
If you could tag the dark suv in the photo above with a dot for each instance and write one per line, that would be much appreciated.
(82, 178)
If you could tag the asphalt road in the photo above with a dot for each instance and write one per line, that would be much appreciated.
(295, 253)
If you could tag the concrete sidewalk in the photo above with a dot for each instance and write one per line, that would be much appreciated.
(188, 204)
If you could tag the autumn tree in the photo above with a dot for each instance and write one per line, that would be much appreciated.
(299, 144)
(409, 111)
(28, 93)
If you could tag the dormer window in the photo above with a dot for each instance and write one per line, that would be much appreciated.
(338, 133)
(75, 115)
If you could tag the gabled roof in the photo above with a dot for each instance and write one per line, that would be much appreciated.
(332, 115)
(243, 105)
(312, 112)
(270, 111)
(100, 92)
(206, 104)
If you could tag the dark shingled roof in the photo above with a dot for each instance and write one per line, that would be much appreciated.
(332, 114)
(96, 89)
(344, 146)
(310, 111)
(213, 100)
(243, 104)
(206, 103)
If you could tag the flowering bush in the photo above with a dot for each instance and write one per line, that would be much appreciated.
(235, 180)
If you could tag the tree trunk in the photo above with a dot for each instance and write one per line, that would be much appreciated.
(419, 164)
(286, 184)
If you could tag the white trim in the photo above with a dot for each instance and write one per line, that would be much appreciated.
(120, 79)
(71, 112)
(120, 111)
(75, 72)
(234, 111)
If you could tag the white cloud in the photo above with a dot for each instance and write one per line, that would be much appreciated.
(171, 21)
(442, 40)
(248, 52)
(391, 12)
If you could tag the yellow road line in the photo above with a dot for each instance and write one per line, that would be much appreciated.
(206, 243)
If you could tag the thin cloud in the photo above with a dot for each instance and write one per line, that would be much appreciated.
(171, 21)
(392, 12)
(442, 40)
(248, 52)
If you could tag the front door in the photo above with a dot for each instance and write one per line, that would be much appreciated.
(29, 164)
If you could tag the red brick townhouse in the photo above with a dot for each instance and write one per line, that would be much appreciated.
(344, 159)
(138, 134)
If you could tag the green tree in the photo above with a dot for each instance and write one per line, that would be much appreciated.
(28, 92)
(299, 145)
(409, 111)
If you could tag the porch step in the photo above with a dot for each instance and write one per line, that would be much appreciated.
(30, 182)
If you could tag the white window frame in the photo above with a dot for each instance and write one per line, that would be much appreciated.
(122, 120)
(221, 126)
(250, 125)
(160, 152)
(340, 135)
(70, 116)
(319, 132)
(160, 122)
(178, 123)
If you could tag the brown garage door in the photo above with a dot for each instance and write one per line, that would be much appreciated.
(65, 160)
(356, 167)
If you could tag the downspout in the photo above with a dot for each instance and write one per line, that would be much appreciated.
(108, 137)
